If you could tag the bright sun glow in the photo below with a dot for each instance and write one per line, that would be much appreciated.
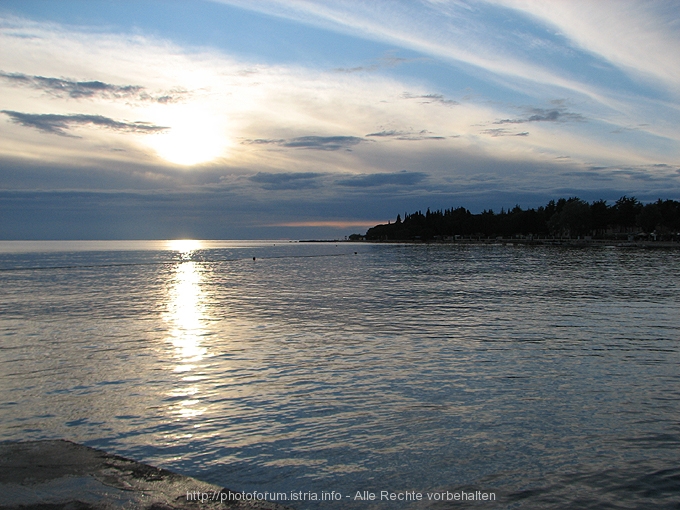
(194, 137)
(184, 245)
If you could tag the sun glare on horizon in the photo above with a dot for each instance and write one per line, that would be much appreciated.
(184, 246)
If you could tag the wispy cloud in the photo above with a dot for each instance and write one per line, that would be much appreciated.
(542, 115)
(639, 37)
(423, 134)
(503, 132)
(387, 61)
(388, 133)
(73, 89)
(458, 32)
(430, 98)
(403, 178)
(60, 124)
(323, 143)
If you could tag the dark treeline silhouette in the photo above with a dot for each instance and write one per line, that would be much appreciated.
(565, 218)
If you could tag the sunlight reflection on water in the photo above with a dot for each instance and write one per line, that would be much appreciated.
(186, 315)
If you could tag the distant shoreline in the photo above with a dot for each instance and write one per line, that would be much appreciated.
(576, 243)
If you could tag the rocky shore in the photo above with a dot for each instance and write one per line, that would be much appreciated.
(61, 475)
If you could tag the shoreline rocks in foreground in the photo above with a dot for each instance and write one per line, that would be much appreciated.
(65, 475)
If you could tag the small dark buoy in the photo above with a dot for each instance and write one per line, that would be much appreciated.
(355, 253)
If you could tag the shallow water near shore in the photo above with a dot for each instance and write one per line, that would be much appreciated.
(548, 376)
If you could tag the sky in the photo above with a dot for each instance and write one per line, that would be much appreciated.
(296, 119)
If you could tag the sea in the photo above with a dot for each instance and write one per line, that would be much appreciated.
(355, 375)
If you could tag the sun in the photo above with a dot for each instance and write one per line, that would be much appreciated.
(193, 137)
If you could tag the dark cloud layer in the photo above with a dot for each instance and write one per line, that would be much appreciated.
(286, 180)
(77, 203)
(223, 215)
(388, 179)
(323, 143)
(59, 124)
(63, 87)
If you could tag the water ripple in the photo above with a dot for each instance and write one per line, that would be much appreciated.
(547, 375)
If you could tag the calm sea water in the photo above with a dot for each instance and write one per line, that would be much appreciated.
(548, 376)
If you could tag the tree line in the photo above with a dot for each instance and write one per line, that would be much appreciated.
(564, 218)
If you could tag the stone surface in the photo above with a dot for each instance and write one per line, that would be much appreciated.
(61, 475)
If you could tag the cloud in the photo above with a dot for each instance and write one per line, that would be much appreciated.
(423, 134)
(627, 129)
(387, 61)
(63, 87)
(542, 115)
(389, 133)
(503, 132)
(270, 108)
(286, 180)
(358, 69)
(264, 141)
(658, 173)
(403, 178)
(430, 98)
(59, 124)
(75, 89)
(637, 36)
(168, 97)
(323, 143)
(471, 35)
